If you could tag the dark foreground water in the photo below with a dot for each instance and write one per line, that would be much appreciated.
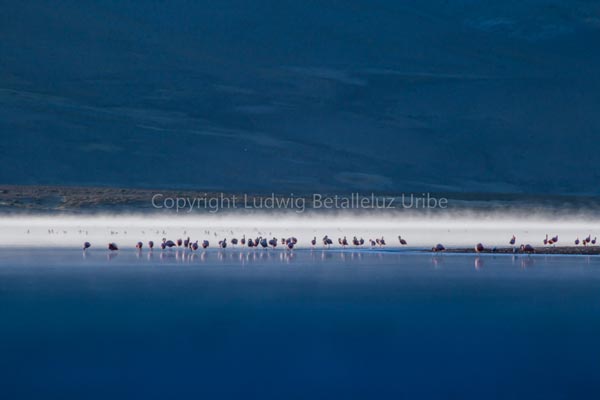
(274, 325)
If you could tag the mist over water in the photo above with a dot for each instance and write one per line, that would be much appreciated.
(462, 227)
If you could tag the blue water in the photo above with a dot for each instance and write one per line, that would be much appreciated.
(274, 325)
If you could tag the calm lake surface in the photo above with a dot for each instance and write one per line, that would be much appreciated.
(301, 325)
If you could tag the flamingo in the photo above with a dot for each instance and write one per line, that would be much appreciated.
(588, 239)
(167, 243)
(594, 240)
(291, 244)
(546, 240)
(250, 242)
(555, 239)
(264, 243)
(313, 242)
(344, 242)
(151, 244)
(402, 241)
(512, 240)
(438, 247)
(113, 247)
(234, 241)
(194, 246)
(86, 245)
(179, 242)
(139, 245)
(223, 243)
(327, 241)
(273, 242)
(479, 248)
(372, 242)
(382, 241)
(355, 241)
(361, 241)
(527, 248)
(243, 240)
(205, 244)
(577, 241)
(186, 242)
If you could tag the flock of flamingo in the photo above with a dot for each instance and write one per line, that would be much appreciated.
(290, 242)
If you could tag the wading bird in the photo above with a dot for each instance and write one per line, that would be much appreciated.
(243, 240)
(438, 247)
(139, 245)
(546, 240)
(273, 242)
(205, 244)
(344, 242)
(194, 246)
(314, 241)
(402, 241)
(223, 243)
(577, 241)
(527, 248)
(479, 248)
(512, 241)
(86, 245)
(113, 247)
(151, 244)
(167, 243)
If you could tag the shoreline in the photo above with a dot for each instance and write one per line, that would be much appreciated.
(558, 250)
